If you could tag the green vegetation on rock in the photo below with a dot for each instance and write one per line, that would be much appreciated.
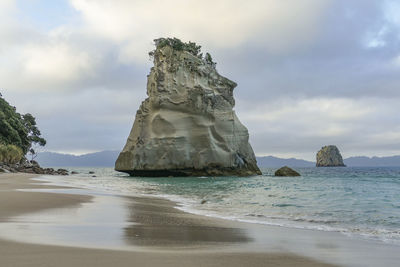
(178, 45)
(18, 133)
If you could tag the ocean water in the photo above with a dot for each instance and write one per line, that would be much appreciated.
(359, 202)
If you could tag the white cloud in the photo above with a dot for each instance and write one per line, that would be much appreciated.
(6, 5)
(313, 109)
(377, 39)
(392, 11)
(396, 61)
(46, 64)
(55, 62)
(59, 58)
(274, 25)
(302, 66)
(7, 25)
(299, 126)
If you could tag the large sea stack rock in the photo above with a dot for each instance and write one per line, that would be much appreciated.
(187, 125)
(329, 156)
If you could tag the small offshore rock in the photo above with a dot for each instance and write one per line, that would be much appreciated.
(74, 172)
(91, 172)
(203, 201)
(286, 171)
(329, 156)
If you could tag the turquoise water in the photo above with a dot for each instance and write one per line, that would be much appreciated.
(362, 202)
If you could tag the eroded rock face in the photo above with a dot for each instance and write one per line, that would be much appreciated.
(187, 126)
(329, 156)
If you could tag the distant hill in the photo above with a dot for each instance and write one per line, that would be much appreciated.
(98, 159)
(361, 161)
(271, 162)
(108, 158)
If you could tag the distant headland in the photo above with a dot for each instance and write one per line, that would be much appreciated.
(108, 158)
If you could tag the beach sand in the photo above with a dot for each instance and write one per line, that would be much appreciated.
(160, 235)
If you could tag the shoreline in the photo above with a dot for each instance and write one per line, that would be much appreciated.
(193, 203)
(112, 222)
(156, 218)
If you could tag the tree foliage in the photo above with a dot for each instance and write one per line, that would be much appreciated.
(34, 134)
(18, 130)
(10, 154)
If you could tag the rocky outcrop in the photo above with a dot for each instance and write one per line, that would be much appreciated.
(286, 171)
(187, 125)
(329, 156)
(32, 166)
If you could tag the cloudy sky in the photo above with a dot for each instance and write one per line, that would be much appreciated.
(309, 72)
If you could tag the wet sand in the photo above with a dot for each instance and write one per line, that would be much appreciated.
(160, 235)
